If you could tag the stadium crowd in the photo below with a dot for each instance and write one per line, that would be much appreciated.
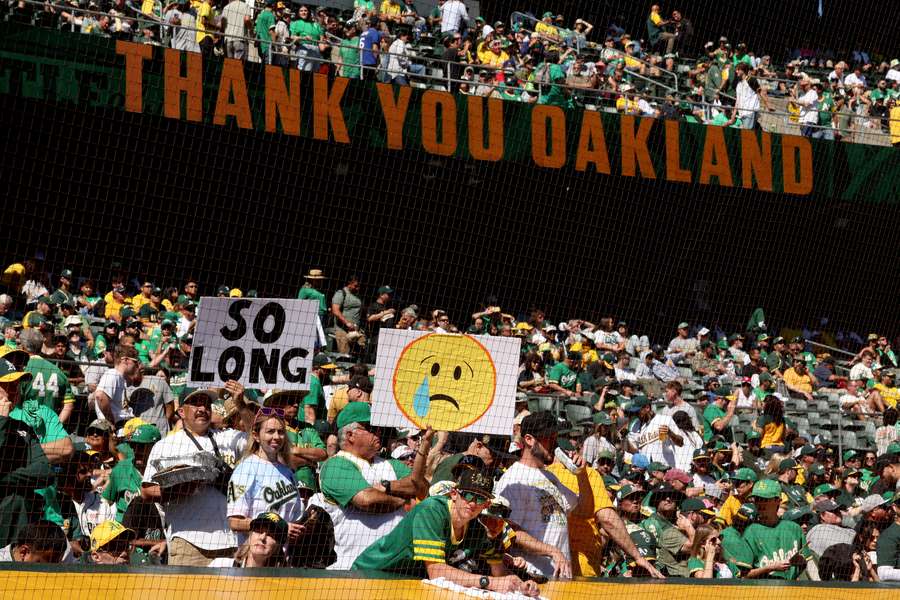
(658, 72)
(625, 458)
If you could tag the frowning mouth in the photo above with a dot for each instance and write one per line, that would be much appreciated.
(445, 398)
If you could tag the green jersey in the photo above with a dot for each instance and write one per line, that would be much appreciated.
(735, 549)
(350, 59)
(43, 420)
(726, 570)
(49, 386)
(425, 535)
(712, 413)
(316, 396)
(123, 486)
(888, 549)
(563, 376)
(308, 292)
(775, 544)
(308, 31)
(264, 22)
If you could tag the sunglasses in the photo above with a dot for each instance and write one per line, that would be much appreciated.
(93, 432)
(270, 411)
(473, 497)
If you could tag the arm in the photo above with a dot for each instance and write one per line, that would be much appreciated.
(309, 413)
(721, 423)
(59, 451)
(415, 485)
(66, 411)
(376, 501)
(338, 315)
(559, 389)
(612, 524)
(509, 583)
(239, 524)
(529, 544)
(103, 402)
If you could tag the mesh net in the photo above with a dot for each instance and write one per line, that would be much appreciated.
(316, 317)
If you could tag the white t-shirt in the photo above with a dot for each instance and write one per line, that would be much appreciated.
(746, 101)
(540, 504)
(258, 486)
(683, 407)
(113, 384)
(198, 519)
(647, 440)
(860, 371)
(398, 60)
(452, 14)
(613, 338)
(893, 75)
(234, 14)
(354, 529)
(684, 454)
(6, 554)
(594, 445)
(853, 79)
(809, 112)
(93, 511)
(683, 345)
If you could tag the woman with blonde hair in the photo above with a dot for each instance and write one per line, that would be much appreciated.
(263, 481)
(264, 546)
(706, 561)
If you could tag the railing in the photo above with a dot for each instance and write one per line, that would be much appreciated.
(597, 95)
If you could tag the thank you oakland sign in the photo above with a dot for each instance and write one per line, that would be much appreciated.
(259, 342)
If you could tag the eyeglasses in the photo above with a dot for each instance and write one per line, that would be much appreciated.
(473, 497)
(94, 432)
(270, 411)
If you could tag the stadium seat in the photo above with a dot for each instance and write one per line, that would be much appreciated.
(541, 403)
(823, 406)
(849, 440)
(578, 413)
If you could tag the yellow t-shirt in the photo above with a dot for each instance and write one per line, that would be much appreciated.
(168, 305)
(113, 306)
(338, 402)
(890, 395)
(655, 18)
(147, 6)
(585, 538)
(797, 381)
(138, 301)
(391, 10)
(545, 29)
(895, 125)
(204, 10)
(773, 435)
(729, 508)
(493, 60)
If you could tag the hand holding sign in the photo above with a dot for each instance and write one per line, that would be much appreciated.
(257, 342)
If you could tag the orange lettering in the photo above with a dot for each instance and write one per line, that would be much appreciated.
(190, 85)
(394, 112)
(232, 84)
(798, 178)
(327, 108)
(715, 158)
(634, 148)
(540, 116)
(674, 172)
(282, 102)
(756, 160)
(431, 100)
(135, 55)
(494, 149)
(592, 144)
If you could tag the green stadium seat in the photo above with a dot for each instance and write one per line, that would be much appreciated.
(578, 413)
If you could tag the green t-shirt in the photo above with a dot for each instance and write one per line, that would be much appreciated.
(586, 380)
(306, 437)
(711, 413)
(350, 59)
(264, 22)
(670, 553)
(444, 471)
(340, 479)
(695, 564)
(123, 486)
(316, 396)
(825, 113)
(774, 544)
(424, 535)
(888, 549)
(561, 374)
(366, 4)
(143, 351)
(735, 549)
(308, 31)
(307, 292)
(49, 386)
(554, 94)
(46, 425)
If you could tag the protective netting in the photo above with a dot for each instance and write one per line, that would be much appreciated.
(488, 321)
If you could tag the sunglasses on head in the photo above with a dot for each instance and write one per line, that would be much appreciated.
(270, 411)
(473, 497)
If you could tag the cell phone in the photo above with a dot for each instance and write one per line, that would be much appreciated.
(562, 457)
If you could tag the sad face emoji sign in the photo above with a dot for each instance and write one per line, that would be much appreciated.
(444, 380)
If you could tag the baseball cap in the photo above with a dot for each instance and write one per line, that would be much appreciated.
(699, 454)
(474, 480)
(101, 424)
(825, 489)
(657, 466)
(850, 455)
(683, 325)
(271, 523)
(107, 531)
(661, 491)
(321, 361)
(826, 505)
(747, 512)
(677, 475)
(385, 289)
(606, 455)
(797, 514)
(197, 397)
(807, 450)
(402, 452)
(354, 412)
(499, 507)
(601, 418)
(744, 474)
(787, 464)
(752, 435)
(627, 490)
(8, 373)
(766, 489)
(690, 505)
(816, 469)
(146, 434)
(224, 289)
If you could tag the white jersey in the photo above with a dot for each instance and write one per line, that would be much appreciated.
(259, 486)
(93, 511)
(200, 518)
(646, 440)
(540, 504)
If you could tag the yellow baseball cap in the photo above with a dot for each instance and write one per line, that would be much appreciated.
(235, 293)
(131, 425)
(106, 532)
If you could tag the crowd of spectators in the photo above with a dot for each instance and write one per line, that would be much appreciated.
(625, 458)
(534, 59)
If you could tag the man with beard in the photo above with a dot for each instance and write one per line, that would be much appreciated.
(81, 506)
(673, 531)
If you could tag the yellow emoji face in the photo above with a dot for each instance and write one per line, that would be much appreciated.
(444, 380)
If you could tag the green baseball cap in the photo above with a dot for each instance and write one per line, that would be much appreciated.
(547, 14)
(752, 435)
(146, 434)
(601, 418)
(747, 512)
(627, 490)
(657, 466)
(764, 377)
(786, 465)
(825, 489)
(354, 412)
(798, 514)
(273, 524)
(807, 450)
(126, 312)
(690, 505)
(762, 337)
(766, 489)
(817, 469)
(606, 455)
(850, 455)
(744, 474)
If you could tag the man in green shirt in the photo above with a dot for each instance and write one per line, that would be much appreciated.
(561, 378)
(349, 58)
(314, 401)
(265, 21)
(888, 549)
(49, 385)
(779, 360)
(315, 277)
(125, 478)
(673, 531)
(717, 417)
(734, 548)
(779, 546)
(438, 534)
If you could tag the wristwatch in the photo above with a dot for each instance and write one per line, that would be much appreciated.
(387, 486)
(484, 582)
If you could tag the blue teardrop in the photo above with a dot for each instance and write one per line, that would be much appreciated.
(422, 399)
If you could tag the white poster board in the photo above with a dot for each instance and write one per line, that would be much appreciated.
(452, 382)
(260, 342)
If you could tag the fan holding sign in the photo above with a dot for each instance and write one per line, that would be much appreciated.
(450, 382)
